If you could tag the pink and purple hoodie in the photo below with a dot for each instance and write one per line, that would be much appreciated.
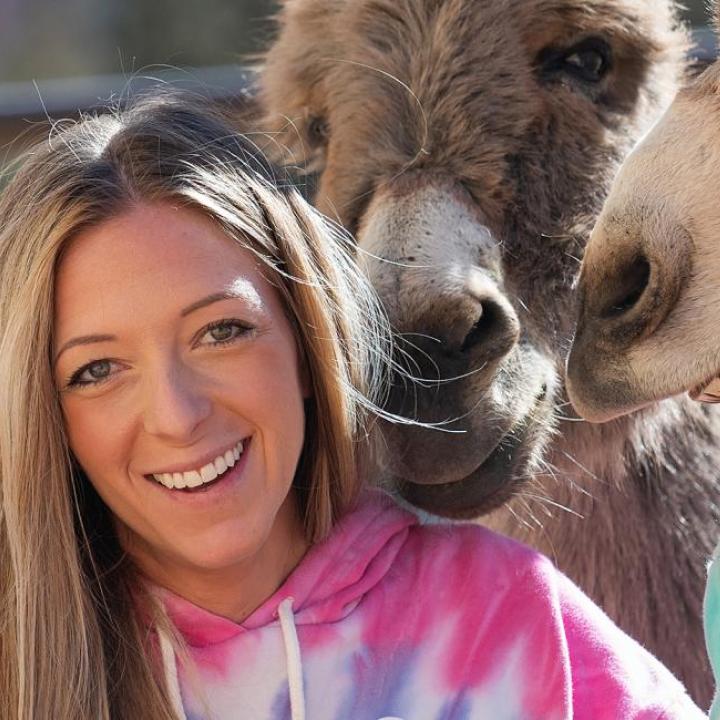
(392, 619)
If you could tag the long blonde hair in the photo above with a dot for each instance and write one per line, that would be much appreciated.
(72, 644)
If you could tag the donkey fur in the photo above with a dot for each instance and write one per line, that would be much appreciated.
(461, 145)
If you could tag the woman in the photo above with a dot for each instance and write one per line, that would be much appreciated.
(191, 369)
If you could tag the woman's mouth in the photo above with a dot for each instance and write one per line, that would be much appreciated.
(707, 392)
(198, 479)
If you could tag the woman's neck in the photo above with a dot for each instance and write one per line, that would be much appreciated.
(234, 592)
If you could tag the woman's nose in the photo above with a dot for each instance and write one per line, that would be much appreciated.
(175, 404)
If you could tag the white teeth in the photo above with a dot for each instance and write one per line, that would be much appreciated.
(181, 481)
(206, 474)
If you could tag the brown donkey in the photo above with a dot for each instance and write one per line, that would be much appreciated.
(469, 146)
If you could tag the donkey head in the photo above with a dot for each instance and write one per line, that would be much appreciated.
(469, 146)
(650, 285)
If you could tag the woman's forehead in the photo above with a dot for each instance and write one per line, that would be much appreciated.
(154, 257)
(160, 229)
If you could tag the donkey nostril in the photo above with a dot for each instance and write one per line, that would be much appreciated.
(627, 287)
(482, 328)
(495, 331)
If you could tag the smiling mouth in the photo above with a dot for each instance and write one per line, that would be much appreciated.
(204, 477)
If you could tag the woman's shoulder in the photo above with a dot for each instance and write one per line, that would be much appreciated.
(483, 613)
(470, 548)
(511, 596)
(445, 565)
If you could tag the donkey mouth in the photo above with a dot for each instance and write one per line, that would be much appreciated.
(488, 487)
(707, 392)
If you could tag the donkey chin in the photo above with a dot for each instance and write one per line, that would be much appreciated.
(465, 468)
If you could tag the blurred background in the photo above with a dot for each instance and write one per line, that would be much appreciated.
(44, 39)
(58, 56)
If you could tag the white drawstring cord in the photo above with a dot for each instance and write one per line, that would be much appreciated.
(172, 684)
(293, 659)
(292, 654)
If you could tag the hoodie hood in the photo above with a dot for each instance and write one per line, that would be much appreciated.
(388, 618)
(328, 583)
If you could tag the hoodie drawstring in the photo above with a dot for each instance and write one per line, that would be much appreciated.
(172, 684)
(292, 655)
(293, 659)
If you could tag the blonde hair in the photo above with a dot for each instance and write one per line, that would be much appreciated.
(72, 644)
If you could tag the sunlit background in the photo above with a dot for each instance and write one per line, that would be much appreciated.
(59, 56)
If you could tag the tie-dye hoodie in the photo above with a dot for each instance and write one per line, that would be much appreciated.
(389, 618)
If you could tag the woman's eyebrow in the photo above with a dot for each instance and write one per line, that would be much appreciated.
(239, 290)
(83, 340)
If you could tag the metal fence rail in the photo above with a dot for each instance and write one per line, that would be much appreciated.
(68, 95)
(56, 97)
(26, 106)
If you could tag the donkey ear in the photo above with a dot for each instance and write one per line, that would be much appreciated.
(714, 9)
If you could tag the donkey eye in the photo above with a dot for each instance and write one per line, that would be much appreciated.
(589, 64)
(588, 61)
(318, 131)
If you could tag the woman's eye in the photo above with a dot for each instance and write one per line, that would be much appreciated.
(93, 373)
(225, 331)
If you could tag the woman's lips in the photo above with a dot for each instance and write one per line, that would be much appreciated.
(205, 473)
(229, 475)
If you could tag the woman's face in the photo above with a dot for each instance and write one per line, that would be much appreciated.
(181, 388)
